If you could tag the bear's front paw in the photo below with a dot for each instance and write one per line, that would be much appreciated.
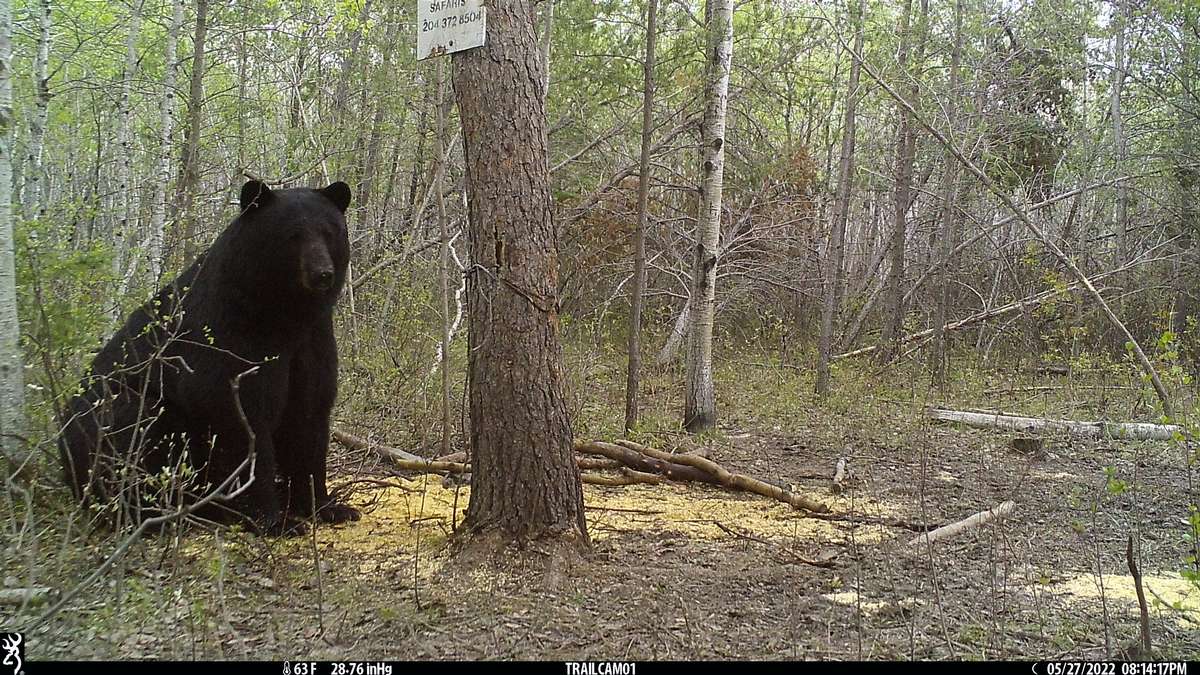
(334, 513)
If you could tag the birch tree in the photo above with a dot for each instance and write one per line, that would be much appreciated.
(158, 207)
(125, 203)
(12, 375)
(35, 172)
(700, 406)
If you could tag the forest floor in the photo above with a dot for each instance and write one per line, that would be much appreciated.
(698, 572)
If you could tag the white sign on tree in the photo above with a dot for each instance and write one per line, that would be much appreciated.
(448, 26)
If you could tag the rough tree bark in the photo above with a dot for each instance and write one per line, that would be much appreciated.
(633, 375)
(835, 276)
(525, 483)
(700, 406)
(12, 374)
(547, 38)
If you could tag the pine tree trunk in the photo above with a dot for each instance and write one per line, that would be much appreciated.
(12, 372)
(700, 406)
(633, 375)
(547, 37)
(525, 483)
(418, 167)
(341, 97)
(835, 275)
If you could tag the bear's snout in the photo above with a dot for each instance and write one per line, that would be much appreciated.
(319, 278)
(316, 268)
(324, 280)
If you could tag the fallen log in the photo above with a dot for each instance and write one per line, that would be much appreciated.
(1143, 431)
(728, 479)
(454, 462)
(405, 461)
(597, 463)
(627, 477)
(981, 518)
(638, 464)
(1043, 388)
(27, 596)
(639, 461)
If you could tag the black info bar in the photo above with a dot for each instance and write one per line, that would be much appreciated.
(312, 667)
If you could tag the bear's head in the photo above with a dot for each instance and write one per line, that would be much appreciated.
(294, 241)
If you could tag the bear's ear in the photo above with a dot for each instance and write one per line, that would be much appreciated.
(339, 194)
(255, 195)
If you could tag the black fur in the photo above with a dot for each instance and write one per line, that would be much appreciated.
(159, 394)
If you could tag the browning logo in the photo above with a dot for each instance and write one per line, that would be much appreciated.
(12, 648)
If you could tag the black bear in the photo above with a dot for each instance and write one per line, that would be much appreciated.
(237, 354)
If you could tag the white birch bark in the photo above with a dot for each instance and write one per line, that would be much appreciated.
(158, 208)
(700, 408)
(679, 330)
(12, 375)
(123, 231)
(35, 174)
(1136, 431)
